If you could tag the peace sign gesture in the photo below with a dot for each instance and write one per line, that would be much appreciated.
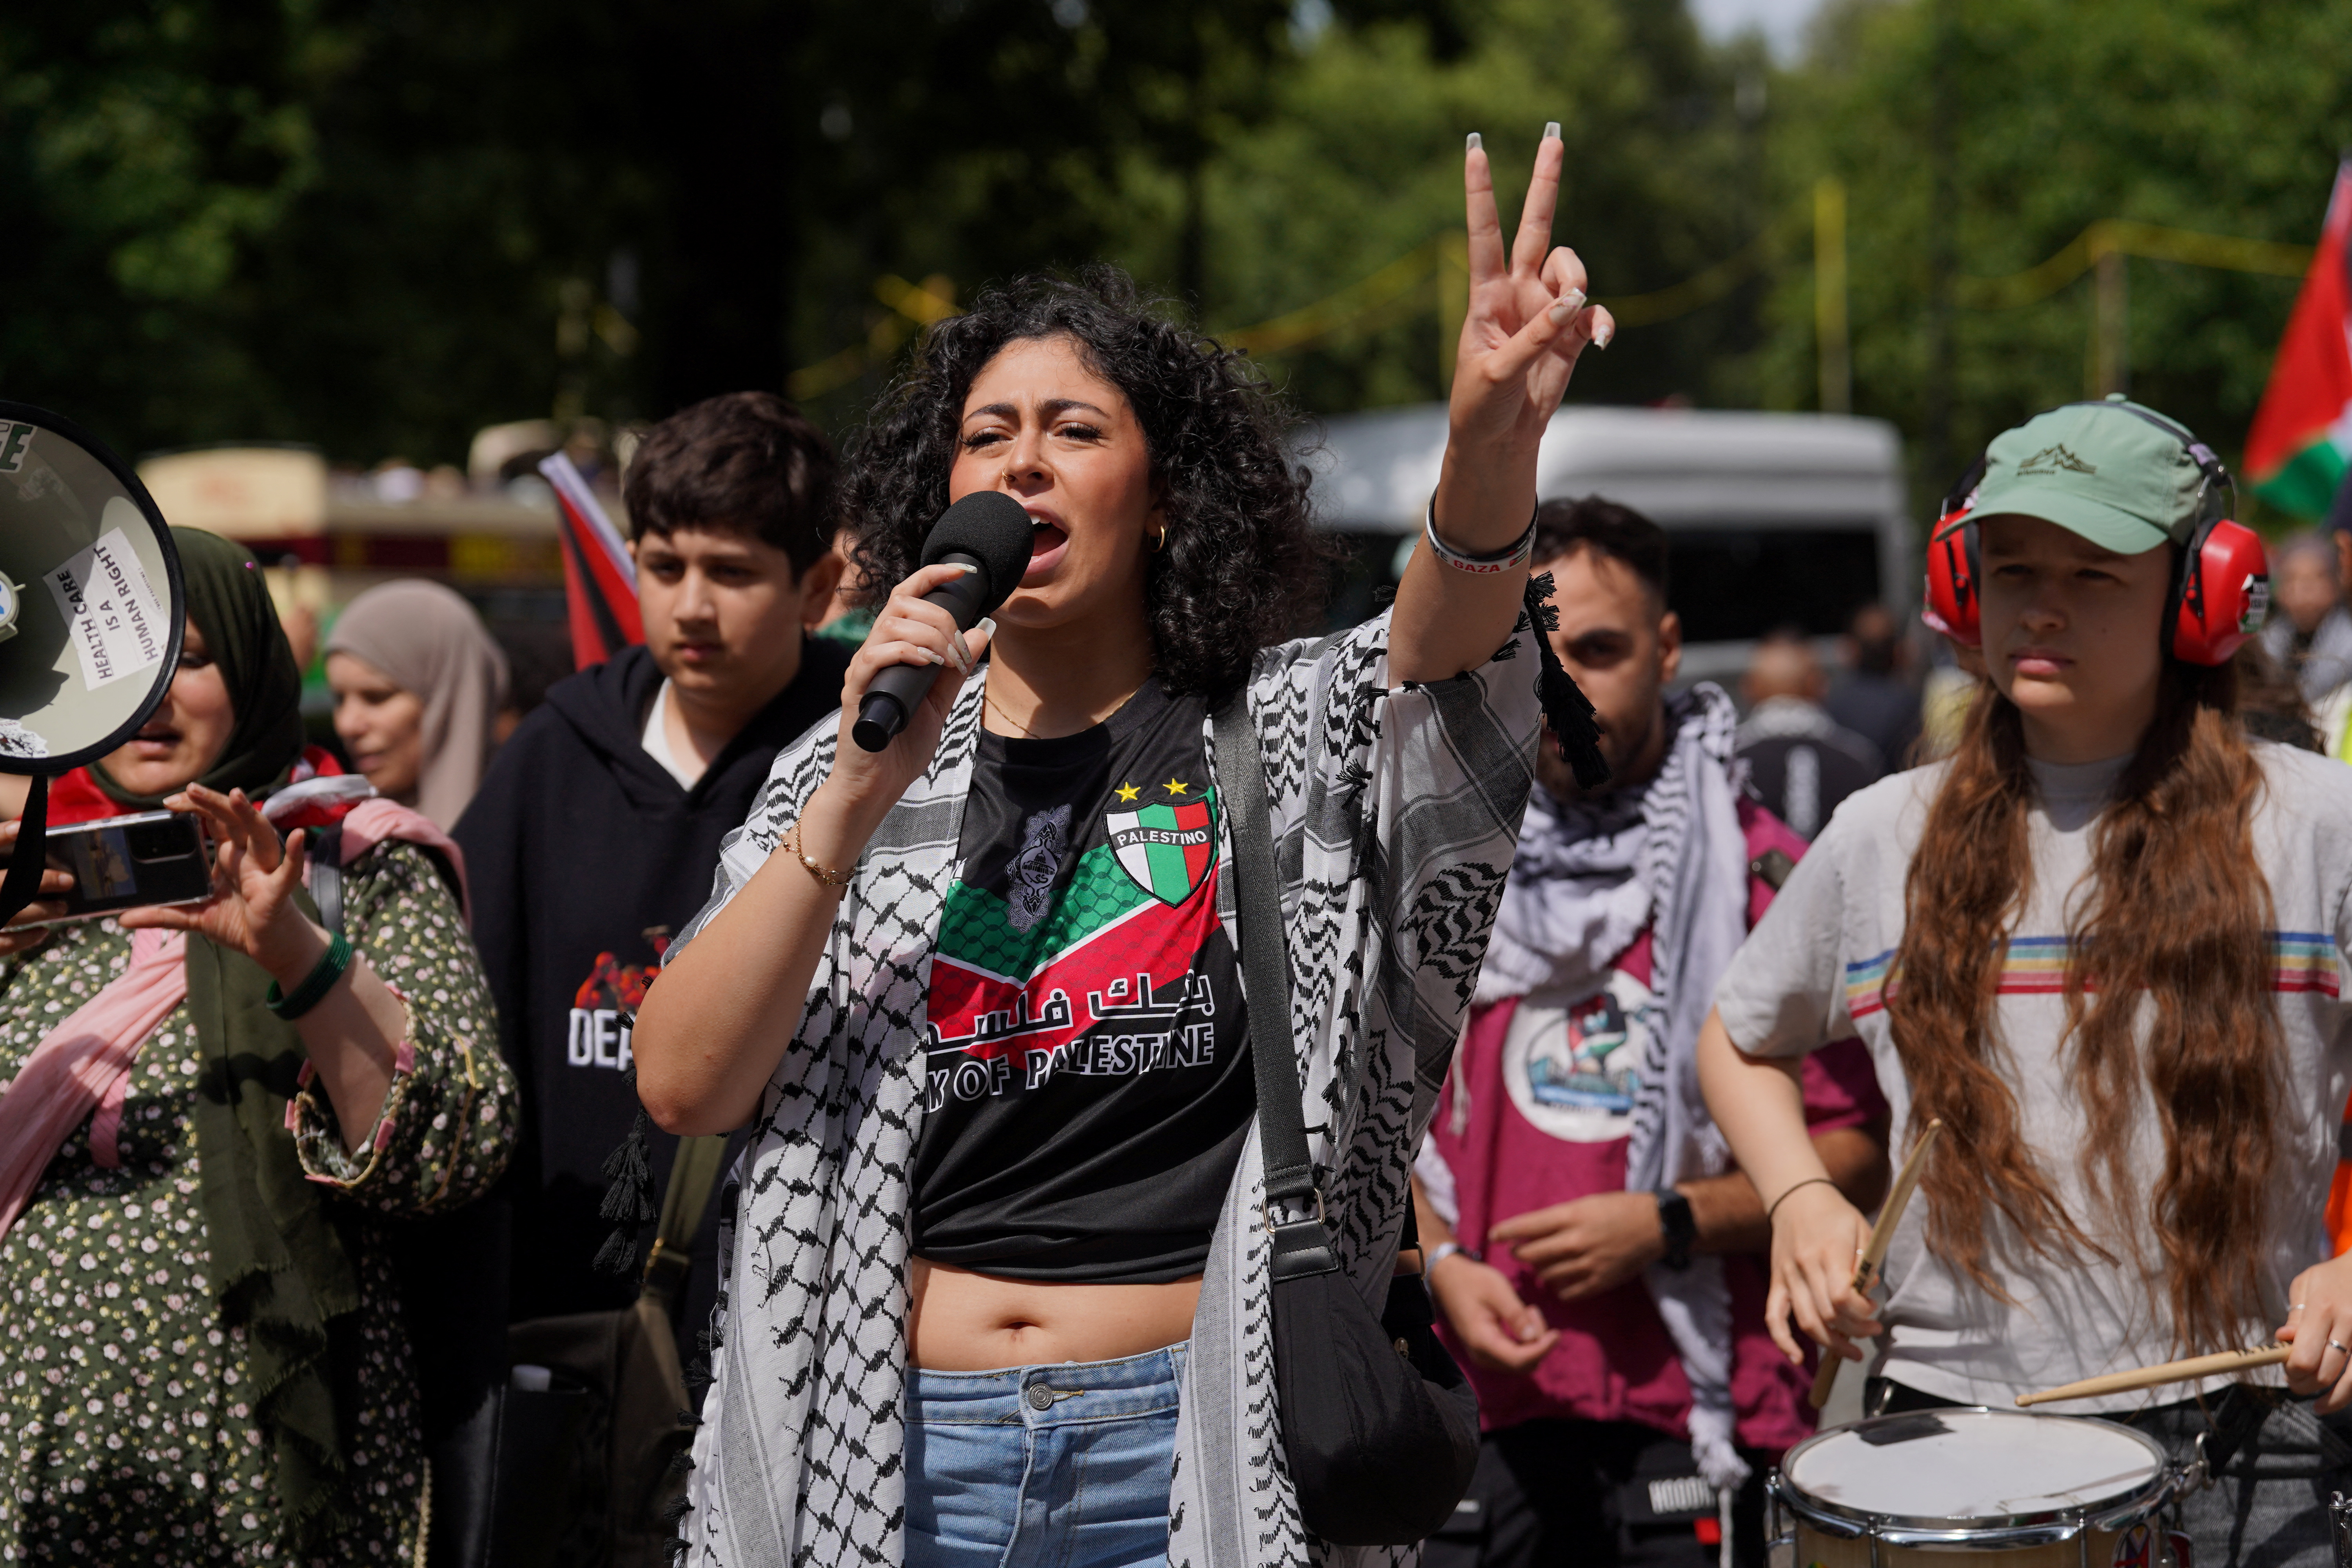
(1528, 320)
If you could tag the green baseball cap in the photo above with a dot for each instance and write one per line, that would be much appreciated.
(2121, 476)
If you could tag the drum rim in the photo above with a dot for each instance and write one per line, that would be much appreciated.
(1844, 1518)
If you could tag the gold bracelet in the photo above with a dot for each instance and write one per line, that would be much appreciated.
(823, 874)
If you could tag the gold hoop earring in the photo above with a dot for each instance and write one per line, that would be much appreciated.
(1162, 542)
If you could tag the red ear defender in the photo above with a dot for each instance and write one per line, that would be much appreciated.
(1951, 606)
(2223, 592)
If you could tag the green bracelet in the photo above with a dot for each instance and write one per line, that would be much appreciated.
(315, 985)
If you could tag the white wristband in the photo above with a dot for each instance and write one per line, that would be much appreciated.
(1440, 1253)
(1516, 555)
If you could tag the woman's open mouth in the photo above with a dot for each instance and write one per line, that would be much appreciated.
(1046, 544)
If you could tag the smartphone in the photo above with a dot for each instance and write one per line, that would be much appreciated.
(131, 862)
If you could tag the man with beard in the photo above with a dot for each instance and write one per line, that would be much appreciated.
(1593, 1254)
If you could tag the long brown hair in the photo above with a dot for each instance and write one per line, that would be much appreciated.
(2172, 932)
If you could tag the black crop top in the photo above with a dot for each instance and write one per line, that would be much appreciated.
(1089, 1084)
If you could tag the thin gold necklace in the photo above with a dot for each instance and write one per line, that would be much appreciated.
(988, 700)
(993, 702)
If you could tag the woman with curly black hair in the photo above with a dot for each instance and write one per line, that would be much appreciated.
(995, 1290)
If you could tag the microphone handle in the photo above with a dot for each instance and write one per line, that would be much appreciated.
(893, 697)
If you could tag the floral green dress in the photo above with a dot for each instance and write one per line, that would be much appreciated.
(126, 1428)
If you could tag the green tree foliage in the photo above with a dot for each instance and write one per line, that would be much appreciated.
(376, 225)
(2222, 116)
(379, 224)
(1362, 161)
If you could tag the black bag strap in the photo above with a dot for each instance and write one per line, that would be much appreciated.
(692, 1175)
(1302, 1246)
(1266, 965)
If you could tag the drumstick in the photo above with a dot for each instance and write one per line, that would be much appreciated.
(2169, 1372)
(1873, 1253)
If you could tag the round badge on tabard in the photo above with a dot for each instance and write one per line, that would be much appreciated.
(1573, 1071)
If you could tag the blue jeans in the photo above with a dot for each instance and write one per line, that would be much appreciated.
(1042, 1467)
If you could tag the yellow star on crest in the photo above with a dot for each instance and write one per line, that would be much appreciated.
(1128, 792)
(1175, 788)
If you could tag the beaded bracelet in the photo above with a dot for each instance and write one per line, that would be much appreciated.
(824, 874)
(315, 985)
(1516, 555)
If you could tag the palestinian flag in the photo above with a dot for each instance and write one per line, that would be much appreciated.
(2302, 437)
(600, 582)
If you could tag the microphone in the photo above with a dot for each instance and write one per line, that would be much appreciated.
(986, 531)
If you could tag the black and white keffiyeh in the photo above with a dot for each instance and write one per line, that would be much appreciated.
(1587, 877)
(1395, 814)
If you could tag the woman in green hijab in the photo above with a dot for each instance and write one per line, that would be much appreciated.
(213, 1113)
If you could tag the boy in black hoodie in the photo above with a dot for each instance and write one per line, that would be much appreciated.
(597, 832)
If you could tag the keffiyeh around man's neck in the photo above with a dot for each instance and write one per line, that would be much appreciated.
(1587, 877)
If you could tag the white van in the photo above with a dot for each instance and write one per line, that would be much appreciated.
(1775, 518)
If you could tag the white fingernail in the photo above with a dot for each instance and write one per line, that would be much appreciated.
(1551, 129)
(1476, 141)
(1603, 334)
(988, 625)
(962, 654)
(930, 657)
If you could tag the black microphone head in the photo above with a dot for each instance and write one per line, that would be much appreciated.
(990, 527)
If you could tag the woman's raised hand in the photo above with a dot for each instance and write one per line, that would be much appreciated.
(252, 908)
(1817, 1239)
(1529, 318)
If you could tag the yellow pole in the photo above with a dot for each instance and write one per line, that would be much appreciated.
(2112, 305)
(1830, 337)
(1453, 280)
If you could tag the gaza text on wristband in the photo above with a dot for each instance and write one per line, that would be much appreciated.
(315, 985)
(1516, 555)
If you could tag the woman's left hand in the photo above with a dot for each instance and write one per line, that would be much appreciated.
(252, 908)
(1529, 319)
(2319, 1327)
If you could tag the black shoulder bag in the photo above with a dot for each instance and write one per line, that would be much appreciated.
(1379, 1425)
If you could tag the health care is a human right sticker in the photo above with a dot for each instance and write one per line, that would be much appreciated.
(112, 616)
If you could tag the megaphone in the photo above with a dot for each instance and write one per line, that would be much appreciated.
(91, 607)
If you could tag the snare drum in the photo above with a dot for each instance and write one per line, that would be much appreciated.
(2048, 1491)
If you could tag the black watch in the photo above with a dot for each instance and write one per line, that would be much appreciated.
(1679, 1227)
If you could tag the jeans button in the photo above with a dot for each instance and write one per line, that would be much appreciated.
(1040, 1397)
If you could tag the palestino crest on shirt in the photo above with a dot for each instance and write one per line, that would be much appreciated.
(1168, 844)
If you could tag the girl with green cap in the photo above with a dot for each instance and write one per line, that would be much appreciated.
(211, 1114)
(2104, 943)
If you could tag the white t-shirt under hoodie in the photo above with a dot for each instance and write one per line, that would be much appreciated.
(1815, 971)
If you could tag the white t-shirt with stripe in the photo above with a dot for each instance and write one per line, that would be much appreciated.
(1816, 968)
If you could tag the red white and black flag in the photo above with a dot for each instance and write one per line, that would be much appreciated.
(600, 582)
